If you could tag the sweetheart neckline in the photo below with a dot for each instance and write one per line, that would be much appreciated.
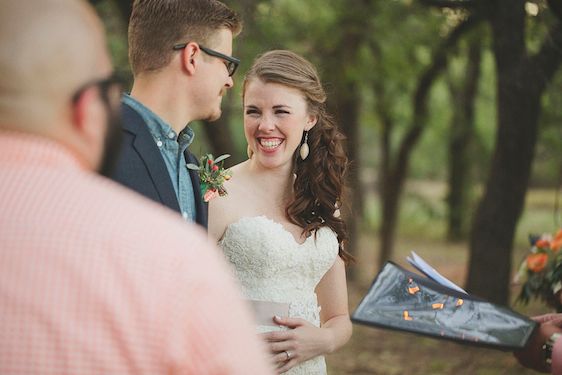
(267, 219)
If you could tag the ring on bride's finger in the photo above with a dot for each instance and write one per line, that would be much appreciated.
(288, 354)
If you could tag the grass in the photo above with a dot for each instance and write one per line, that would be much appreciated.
(376, 351)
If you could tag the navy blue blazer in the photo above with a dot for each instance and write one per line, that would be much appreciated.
(141, 167)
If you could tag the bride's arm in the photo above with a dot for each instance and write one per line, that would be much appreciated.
(332, 297)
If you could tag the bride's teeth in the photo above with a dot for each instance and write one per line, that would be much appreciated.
(270, 143)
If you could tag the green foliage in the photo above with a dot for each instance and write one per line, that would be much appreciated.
(485, 116)
(116, 29)
(433, 146)
(547, 169)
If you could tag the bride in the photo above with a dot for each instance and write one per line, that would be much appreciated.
(279, 225)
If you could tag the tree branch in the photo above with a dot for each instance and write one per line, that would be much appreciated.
(423, 88)
(556, 8)
(546, 62)
(453, 4)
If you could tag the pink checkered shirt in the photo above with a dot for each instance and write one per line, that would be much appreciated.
(97, 280)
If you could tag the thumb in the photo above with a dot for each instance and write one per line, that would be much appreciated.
(557, 321)
(288, 322)
(546, 318)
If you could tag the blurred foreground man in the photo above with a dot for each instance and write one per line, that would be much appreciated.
(94, 279)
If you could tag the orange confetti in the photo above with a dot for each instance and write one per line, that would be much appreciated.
(413, 289)
(459, 302)
(437, 306)
(407, 315)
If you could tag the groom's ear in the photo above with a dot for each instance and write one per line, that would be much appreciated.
(188, 57)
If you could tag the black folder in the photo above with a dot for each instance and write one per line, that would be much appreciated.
(405, 301)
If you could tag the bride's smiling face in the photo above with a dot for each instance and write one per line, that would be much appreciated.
(275, 117)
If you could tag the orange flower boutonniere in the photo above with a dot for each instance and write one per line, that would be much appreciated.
(212, 175)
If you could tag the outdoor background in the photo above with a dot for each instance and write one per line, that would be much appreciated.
(451, 110)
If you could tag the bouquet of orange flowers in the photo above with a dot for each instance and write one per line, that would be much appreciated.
(541, 270)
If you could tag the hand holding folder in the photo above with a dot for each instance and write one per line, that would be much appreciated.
(402, 300)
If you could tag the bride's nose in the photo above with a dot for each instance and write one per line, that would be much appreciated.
(267, 123)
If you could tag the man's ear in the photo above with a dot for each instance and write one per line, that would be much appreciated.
(189, 57)
(88, 129)
(83, 111)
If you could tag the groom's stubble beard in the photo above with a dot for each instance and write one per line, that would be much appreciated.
(217, 112)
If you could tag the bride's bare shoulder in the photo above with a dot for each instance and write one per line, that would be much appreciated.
(240, 169)
(227, 209)
(239, 180)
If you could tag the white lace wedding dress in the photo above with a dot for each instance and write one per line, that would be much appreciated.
(272, 266)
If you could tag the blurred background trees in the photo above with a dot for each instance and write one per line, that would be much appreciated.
(451, 110)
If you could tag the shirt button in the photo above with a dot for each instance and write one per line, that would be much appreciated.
(171, 135)
(159, 143)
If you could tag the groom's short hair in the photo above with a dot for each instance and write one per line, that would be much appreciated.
(157, 25)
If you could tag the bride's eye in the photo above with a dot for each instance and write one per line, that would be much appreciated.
(251, 111)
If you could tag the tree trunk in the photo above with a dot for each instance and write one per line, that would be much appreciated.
(520, 83)
(343, 103)
(125, 8)
(348, 115)
(391, 191)
(389, 198)
(462, 133)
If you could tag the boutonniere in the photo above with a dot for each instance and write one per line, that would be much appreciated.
(212, 175)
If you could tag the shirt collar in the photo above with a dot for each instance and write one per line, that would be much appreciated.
(158, 128)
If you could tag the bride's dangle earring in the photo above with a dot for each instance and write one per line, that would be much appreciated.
(304, 150)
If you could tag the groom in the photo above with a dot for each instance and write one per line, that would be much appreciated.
(180, 54)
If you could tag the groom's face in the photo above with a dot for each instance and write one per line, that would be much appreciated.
(214, 77)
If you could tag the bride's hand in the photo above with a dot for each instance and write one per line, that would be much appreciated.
(300, 343)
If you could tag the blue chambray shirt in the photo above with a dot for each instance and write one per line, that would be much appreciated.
(172, 148)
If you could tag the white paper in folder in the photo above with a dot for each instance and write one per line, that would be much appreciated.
(424, 267)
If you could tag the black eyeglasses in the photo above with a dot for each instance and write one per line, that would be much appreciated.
(230, 62)
(109, 86)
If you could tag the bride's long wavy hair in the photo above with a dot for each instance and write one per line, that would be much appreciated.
(320, 178)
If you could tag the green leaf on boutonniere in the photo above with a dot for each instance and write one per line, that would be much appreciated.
(212, 175)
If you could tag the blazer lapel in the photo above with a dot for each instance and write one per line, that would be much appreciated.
(201, 207)
(147, 150)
